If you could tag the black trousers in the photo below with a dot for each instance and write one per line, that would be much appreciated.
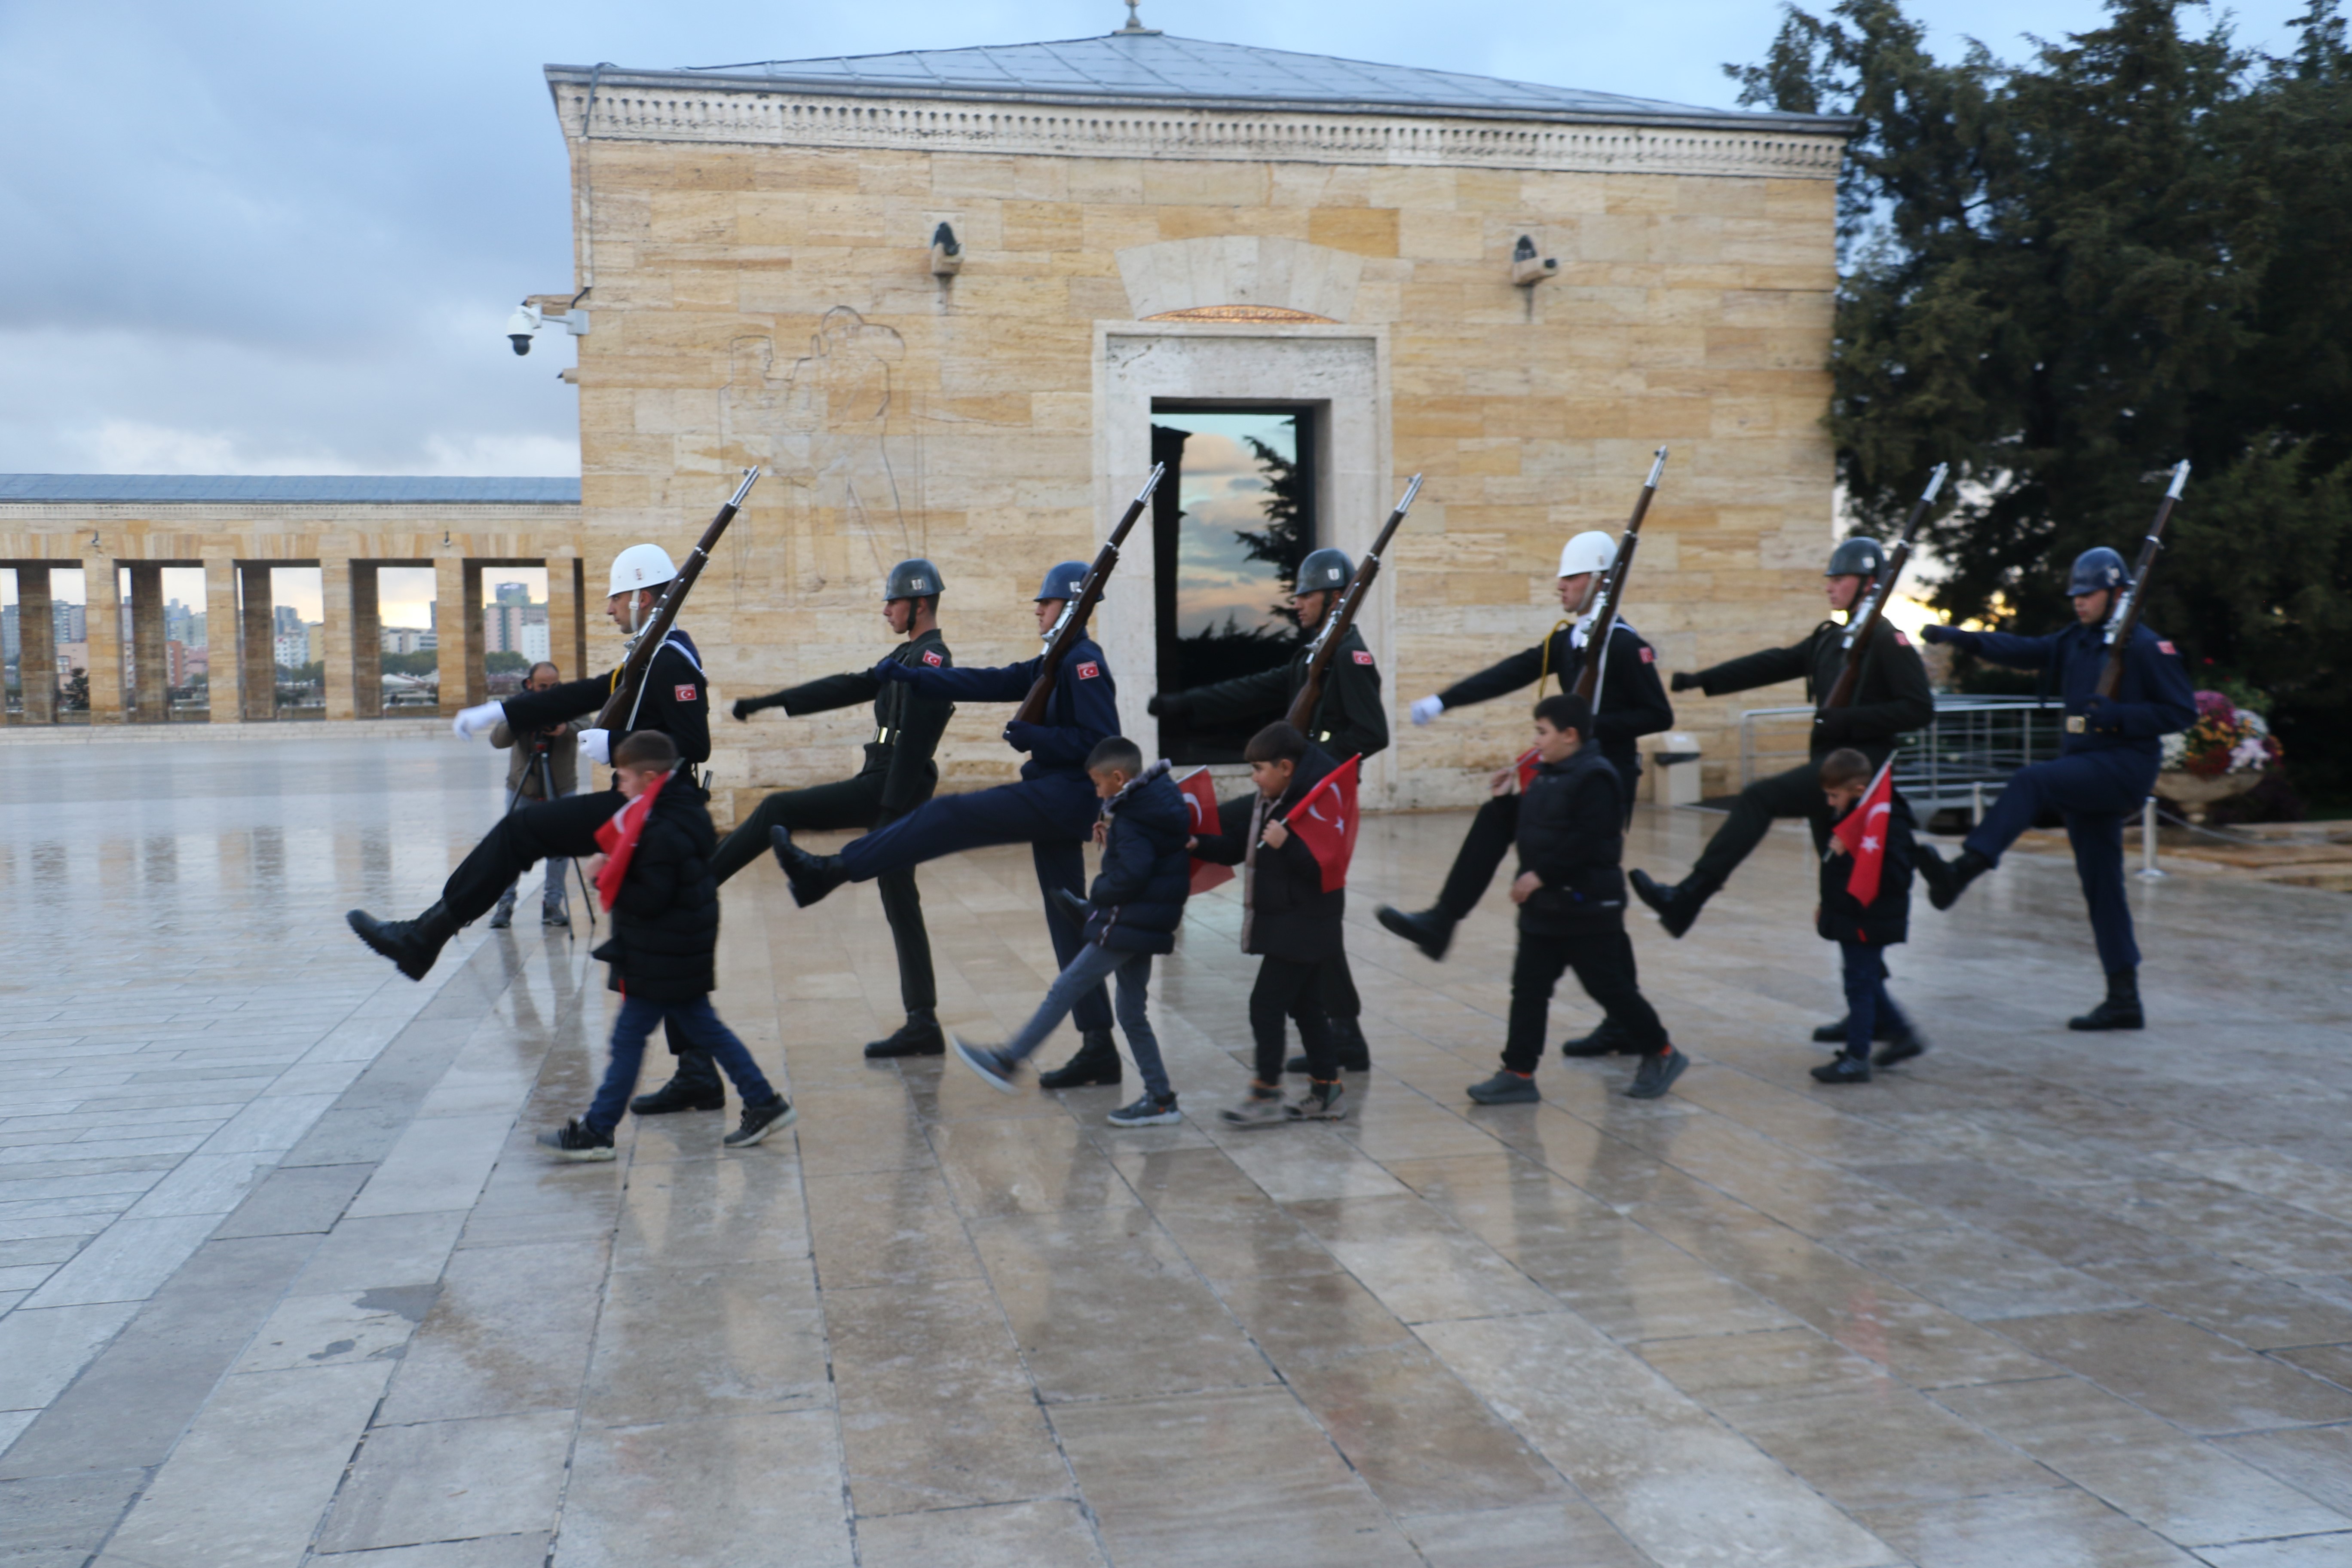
(852, 803)
(1797, 792)
(1596, 956)
(522, 838)
(1484, 849)
(1296, 991)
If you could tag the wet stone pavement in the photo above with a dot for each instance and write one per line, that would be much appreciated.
(283, 1279)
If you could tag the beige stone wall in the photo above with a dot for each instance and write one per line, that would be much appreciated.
(960, 418)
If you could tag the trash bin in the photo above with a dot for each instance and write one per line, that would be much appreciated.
(1675, 770)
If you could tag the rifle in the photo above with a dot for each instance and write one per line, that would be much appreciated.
(1861, 621)
(1613, 591)
(2124, 619)
(620, 710)
(1341, 616)
(1072, 624)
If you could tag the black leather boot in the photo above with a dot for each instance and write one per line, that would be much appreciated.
(1946, 882)
(1431, 931)
(694, 1085)
(2121, 1010)
(920, 1036)
(1835, 1034)
(1678, 903)
(811, 877)
(1349, 1050)
(1096, 1062)
(412, 945)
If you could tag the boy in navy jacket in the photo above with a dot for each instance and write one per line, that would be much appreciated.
(1864, 931)
(1131, 914)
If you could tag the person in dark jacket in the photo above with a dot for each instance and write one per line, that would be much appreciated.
(1891, 698)
(663, 950)
(2105, 768)
(899, 775)
(1629, 703)
(1864, 931)
(1351, 721)
(1051, 809)
(1570, 890)
(1288, 921)
(541, 764)
(1131, 914)
(675, 700)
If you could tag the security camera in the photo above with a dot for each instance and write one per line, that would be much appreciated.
(521, 325)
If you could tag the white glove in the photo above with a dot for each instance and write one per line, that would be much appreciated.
(1426, 709)
(472, 722)
(596, 745)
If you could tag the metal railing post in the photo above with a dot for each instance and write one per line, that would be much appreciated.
(2149, 869)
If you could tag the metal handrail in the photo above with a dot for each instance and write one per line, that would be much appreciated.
(1973, 743)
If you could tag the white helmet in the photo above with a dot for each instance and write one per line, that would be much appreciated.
(640, 567)
(1591, 551)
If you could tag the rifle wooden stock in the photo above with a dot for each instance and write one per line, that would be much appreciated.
(2123, 619)
(1072, 626)
(1341, 616)
(1612, 590)
(620, 710)
(1861, 621)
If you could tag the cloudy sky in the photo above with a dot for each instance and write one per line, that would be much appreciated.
(245, 237)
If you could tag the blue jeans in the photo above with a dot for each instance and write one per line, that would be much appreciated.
(2097, 793)
(1093, 965)
(1866, 996)
(697, 1027)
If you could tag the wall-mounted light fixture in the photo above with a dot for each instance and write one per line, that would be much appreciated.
(947, 253)
(1527, 271)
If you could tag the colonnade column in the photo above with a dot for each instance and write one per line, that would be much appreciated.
(102, 628)
(37, 644)
(564, 644)
(335, 604)
(222, 685)
(257, 655)
(367, 642)
(151, 674)
(458, 591)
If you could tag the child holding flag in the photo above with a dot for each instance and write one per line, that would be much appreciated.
(655, 875)
(1292, 839)
(1866, 907)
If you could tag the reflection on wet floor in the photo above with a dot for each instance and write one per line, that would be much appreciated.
(267, 1211)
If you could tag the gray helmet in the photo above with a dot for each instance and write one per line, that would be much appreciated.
(2096, 568)
(1324, 570)
(911, 580)
(1857, 558)
(1062, 581)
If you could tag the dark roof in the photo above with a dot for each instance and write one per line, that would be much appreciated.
(1193, 73)
(313, 489)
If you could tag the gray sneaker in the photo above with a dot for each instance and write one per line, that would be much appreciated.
(1505, 1089)
(1147, 1111)
(1321, 1102)
(985, 1061)
(1264, 1108)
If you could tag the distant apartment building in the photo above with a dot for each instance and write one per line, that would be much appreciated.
(409, 639)
(513, 623)
(12, 644)
(71, 623)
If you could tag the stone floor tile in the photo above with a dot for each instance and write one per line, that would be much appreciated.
(447, 1481)
(42, 1350)
(510, 1331)
(294, 1201)
(58, 1520)
(2182, 1373)
(392, 1250)
(1565, 1534)
(707, 1494)
(482, 1552)
(437, 1164)
(691, 1213)
(1055, 1533)
(886, 1227)
(128, 1262)
(2313, 1459)
(334, 1330)
(1422, 1266)
(1226, 1223)
(1026, 1165)
(1421, 1440)
(2303, 1551)
(705, 1340)
(2057, 1529)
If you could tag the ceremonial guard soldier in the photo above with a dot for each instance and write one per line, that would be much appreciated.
(1052, 808)
(676, 699)
(2102, 775)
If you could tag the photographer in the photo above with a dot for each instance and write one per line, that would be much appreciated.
(541, 764)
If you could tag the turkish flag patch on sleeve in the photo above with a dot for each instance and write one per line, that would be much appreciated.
(1900, 640)
(2163, 646)
(1649, 656)
(1089, 670)
(1364, 657)
(931, 656)
(683, 693)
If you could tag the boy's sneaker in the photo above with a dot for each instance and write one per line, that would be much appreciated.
(1147, 1111)
(1657, 1074)
(1901, 1048)
(1505, 1089)
(759, 1121)
(1264, 1108)
(1843, 1069)
(1321, 1102)
(989, 1063)
(576, 1141)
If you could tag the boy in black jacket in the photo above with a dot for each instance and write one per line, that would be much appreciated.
(1288, 921)
(1864, 931)
(1570, 890)
(1133, 911)
(664, 937)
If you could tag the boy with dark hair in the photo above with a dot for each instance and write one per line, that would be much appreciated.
(1864, 931)
(655, 876)
(1288, 921)
(1132, 912)
(1570, 890)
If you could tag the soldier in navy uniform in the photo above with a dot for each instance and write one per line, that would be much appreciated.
(1632, 703)
(2102, 775)
(674, 699)
(1350, 720)
(1051, 809)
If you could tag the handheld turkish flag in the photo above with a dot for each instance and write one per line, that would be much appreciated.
(1326, 821)
(1200, 799)
(618, 840)
(1527, 764)
(1864, 834)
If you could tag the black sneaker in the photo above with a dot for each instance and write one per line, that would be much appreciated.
(1835, 1034)
(1147, 1111)
(920, 1036)
(1505, 1089)
(1657, 1074)
(576, 1141)
(1842, 1069)
(1431, 931)
(759, 1121)
(1901, 1048)
(983, 1060)
(679, 1095)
